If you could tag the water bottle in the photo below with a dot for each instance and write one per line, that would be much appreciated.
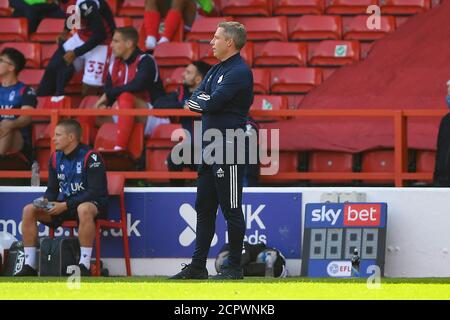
(270, 259)
(35, 178)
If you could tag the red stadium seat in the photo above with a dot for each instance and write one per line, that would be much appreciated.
(297, 7)
(49, 29)
(13, 29)
(294, 80)
(206, 54)
(288, 162)
(203, 28)
(275, 53)
(176, 53)
(311, 27)
(265, 28)
(172, 78)
(134, 8)
(5, 10)
(261, 80)
(404, 6)
(31, 77)
(356, 28)
(246, 7)
(269, 102)
(123, 22)
(158, 148)
(119, 160)
(335, 53)
(330, 161)
(52, 103)
(378, 161)
(47, 51)
(89, 102)
(31, 51)
(116, 185)
(348, 6)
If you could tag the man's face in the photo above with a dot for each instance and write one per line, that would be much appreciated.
(6, 65)
(191, 77)
(119, 45)
(61, 138)
(220, 45)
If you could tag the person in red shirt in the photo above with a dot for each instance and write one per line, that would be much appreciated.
(133, 81)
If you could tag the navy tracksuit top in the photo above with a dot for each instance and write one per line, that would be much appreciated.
(225, 95)
(77, 177)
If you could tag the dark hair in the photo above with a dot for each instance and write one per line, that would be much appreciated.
(202, 67)
(17, 58)
(129, 33)
(71, 126)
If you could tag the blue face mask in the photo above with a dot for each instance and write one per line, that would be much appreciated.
(448, 100)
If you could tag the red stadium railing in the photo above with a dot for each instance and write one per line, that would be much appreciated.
(399, 176)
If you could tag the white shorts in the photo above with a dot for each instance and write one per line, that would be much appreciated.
(94, 61)
(152, 122)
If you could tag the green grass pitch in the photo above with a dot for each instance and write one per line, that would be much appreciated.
(249, 289)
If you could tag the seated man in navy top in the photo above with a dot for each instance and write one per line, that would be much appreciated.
(77, 190)
(15, 131)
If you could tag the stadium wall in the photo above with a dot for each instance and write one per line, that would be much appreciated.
(162, 229)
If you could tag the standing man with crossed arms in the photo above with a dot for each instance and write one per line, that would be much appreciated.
(223, 98)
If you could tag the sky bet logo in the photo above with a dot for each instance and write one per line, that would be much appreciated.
(353, 214)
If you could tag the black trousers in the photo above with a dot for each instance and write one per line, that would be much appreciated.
(219, 184)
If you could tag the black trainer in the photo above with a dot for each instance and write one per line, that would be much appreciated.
(190, 272)
(84, 272)
(228, 273)
(27, 271)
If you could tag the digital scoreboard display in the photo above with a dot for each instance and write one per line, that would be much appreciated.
(344, 239)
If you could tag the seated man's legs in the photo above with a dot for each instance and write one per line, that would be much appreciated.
(30, 217)
(87, 211)
(86, 214)
(11, 142)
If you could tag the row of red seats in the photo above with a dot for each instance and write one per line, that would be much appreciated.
(326, 53)
(372, 161)
(281, 28)
(268, 54)
(298, 7)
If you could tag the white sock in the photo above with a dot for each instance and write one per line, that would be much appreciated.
(85, 257)
(163, 39)
(30, 256)
(150, 42)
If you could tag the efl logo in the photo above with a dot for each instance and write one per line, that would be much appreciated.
(362, 215)
(339, 269)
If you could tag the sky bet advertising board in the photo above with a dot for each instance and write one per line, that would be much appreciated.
(163, 224)
(344, 239)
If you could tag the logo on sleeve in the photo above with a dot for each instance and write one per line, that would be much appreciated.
(94, 156)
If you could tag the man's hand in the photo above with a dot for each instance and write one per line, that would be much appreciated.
(69, 57)
(58, 208)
